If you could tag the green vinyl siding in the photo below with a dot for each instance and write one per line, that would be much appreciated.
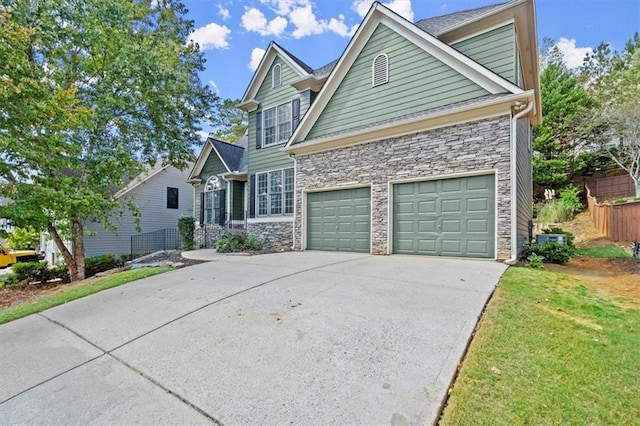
(271, 157)
(237, 199)
(524, 182)
(417, 82)
(495, 50)
(212, 167)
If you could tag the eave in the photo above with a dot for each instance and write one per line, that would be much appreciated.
(248, 105)
(309, 82)
(436, 120)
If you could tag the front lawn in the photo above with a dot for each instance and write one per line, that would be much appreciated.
(75, 291)
(550, 351)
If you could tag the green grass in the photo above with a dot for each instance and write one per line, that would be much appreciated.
(549, 351)
(609, 251)
(75, 292)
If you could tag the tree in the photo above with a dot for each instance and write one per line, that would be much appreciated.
(613, 78)
(555, 143)
(91, 92)
(232, 122)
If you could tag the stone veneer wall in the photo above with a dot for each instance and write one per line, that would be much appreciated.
(274, 235)
(467, 147)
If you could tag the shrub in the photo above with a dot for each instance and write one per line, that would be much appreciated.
(26, 238)
(571, 198)
(59, 272)
(97, 264)
(232, 241)
(9, 280)
(556, 230)
(620, 201)
(551, 252)
(562, 209)
(186, 227)
(27, 272)
(535, 261)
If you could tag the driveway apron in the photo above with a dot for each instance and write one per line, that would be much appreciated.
(296, 338)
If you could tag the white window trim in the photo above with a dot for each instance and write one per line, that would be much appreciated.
(273, 76)
(257, 212)
(264, 128)
(373, 70)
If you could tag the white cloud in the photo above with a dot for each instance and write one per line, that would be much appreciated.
(572, 54)
(211, 36)
(254, 20)
(285, 7)
(401, 7)
(214, 86)
(443, 6)
(224, 13)
(300, 13)
(256, 56)
(306, 22)
(339, 27)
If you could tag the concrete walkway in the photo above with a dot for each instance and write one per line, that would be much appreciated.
(297, 338)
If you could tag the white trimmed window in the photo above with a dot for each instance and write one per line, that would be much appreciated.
(276, 124)
(276, 76)
(380, 70)
(274, 193)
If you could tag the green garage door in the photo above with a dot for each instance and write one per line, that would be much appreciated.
(447, 217)
(339, 220)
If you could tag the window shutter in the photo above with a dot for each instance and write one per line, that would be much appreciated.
(222, 204)
(295, 113)
(312, 97)
(202, 209)
(252, 195)
(259, 130)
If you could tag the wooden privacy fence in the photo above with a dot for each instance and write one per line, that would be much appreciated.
(620, 222)
(611, 186)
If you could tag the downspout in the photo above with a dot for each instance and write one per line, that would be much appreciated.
(514, 183)
(295, 191)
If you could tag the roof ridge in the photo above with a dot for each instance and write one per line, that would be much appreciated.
(297, 60)
(225, 142)
(466, 10)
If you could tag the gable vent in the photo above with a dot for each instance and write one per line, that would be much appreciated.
(380, 73)
(276, 75)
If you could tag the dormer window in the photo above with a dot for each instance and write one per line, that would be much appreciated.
(276, 76)
(380, 70)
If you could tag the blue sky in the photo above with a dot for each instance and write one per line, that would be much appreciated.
(233, 34)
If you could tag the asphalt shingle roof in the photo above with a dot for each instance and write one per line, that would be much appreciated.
(231, 154)
(438, 24)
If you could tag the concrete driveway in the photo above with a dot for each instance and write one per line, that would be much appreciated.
(293, 338)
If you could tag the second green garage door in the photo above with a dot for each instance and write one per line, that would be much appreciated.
(447, 217)
(339, 220)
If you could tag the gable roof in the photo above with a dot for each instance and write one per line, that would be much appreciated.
(143, 177)
(232, 156)
(439, 24)
(248, 102)
(488, 80)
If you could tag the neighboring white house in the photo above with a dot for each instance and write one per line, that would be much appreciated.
(161, 195)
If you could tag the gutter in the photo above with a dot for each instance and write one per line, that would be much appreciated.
(514, 182)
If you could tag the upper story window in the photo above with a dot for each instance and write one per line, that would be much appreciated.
(172, 198)
(380, 70)
(276, 75)
(276, 124)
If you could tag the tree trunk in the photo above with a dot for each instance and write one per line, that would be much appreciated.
(636, 181)
(78, 246)
(66, 254)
